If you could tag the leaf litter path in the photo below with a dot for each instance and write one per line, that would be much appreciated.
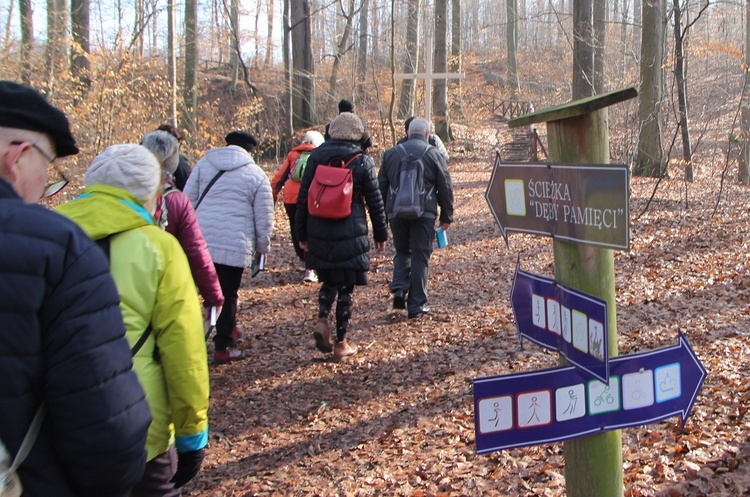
(397, 418)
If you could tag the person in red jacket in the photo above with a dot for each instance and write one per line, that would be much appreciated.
(176, 215)
(283, 179)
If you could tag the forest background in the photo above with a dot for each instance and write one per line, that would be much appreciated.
(397, 419)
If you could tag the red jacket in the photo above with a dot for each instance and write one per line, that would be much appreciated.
(291, 187)
(182, 223)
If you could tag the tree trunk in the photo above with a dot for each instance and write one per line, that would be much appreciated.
(744, 162)
(679, 74)
(440, 98)
(583, 49)
(341, 49)
(56, 59)
(302, 63)
(287, 56)
(172, 61)
(79, 55)
(27, 39)
(234, 42)
(269, 38)
(190, 90)
(511, 40)
(406, 99)
(600, 32)
(650, 156)
(455, 60)
(361, 73)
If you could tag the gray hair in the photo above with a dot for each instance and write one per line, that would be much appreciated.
(419, 125)
(165, 147)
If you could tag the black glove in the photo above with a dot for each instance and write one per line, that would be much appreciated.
(188, 464)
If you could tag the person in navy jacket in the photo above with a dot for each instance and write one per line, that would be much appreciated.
(62, 337)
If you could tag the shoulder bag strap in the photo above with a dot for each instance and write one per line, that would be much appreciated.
(28, 440)
(210, 184)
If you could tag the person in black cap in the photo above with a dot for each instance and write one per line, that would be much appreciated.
(66, 363)
(234, 205)
(348, 106)
(242, 139)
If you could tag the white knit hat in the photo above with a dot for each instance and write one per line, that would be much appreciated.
(130, 167)
(314, 138)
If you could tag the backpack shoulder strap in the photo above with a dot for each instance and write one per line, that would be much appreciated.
(208, 187)
(104, 245)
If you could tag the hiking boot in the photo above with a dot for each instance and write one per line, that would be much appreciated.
(322, 336)
(343, 349)
(311, 276)
(226, 355)
(399, 299)
(418, 314)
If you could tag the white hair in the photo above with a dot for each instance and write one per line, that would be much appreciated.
(419, 125)
(133, 168)
(313, 137)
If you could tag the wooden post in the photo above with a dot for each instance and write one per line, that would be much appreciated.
(577, 133)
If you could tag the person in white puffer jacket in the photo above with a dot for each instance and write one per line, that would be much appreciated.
(233, 201)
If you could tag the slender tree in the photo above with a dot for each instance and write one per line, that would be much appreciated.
(190, 90)
(361, 73)
(234, 28)
(411, 57)
(511, 40)
(744, 162)
(269, 29)
(649, 159)
(302, 64)
(440, 96)
(342, 47)
(679, 74)
(27, 39)
(583, 48)
(600, 32)
(79, 55)
(172, 60)
(455, 60)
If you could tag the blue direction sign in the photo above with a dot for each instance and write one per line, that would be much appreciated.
(562, 319)
(582, 203)
(558, 404)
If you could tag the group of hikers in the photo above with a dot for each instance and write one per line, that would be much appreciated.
(103, 343)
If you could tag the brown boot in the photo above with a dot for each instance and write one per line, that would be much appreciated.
(343, 349)
(322, 336)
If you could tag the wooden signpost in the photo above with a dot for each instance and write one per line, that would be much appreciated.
(645, 388)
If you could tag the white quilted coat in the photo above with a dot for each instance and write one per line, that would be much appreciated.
(236, 215)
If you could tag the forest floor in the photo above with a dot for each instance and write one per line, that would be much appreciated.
(398, 417)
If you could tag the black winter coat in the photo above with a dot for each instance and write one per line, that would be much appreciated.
(342, 244)
(62, 342)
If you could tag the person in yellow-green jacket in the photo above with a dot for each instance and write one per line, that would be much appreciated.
(160, 307)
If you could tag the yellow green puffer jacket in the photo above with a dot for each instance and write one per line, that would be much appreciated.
(155, 285)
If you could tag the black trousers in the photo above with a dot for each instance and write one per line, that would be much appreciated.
(291, 212)
(230, 279)
(327, 294)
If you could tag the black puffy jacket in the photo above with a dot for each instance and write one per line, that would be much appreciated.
(342, 243)
(62, 342)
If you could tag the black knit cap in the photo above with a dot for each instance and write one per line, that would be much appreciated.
(346, 106)
(23, 107)
(242, 139)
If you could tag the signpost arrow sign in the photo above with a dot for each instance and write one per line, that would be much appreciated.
(558, 404)
(562, 319)
(583, 203)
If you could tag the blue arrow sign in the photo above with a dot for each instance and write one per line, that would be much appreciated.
(562, 319)
(558, 404)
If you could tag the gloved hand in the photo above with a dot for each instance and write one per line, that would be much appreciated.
(188, 464)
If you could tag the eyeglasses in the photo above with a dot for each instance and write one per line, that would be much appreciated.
(55, 187)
